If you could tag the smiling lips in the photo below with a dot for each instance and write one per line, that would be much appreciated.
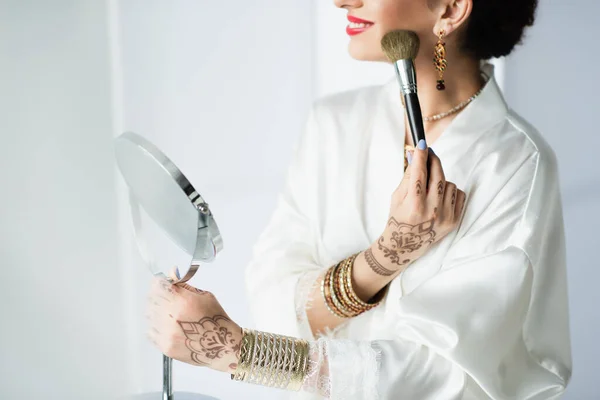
(357, 25)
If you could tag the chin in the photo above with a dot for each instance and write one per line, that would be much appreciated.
(362, 51)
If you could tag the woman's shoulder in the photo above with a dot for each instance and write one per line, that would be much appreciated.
(532, 141)
(509, 145)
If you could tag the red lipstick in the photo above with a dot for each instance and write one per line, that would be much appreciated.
(357, 25)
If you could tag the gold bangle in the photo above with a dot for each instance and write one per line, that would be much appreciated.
(327, 295)
(339, 295)
(355, 307)
(352, 293)
(334, 290)
(325, 298)
(272, 360)
(298, 371)
(346, 281)
(341, 292)
(244, 361)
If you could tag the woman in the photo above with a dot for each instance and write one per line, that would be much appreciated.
(394, 282)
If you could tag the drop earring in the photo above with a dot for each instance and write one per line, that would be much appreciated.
(439, 60)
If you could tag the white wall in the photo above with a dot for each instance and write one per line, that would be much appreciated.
(61, 333)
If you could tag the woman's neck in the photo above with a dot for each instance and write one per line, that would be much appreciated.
(462, 80)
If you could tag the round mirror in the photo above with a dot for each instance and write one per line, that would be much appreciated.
(164, 202)
(174, 226)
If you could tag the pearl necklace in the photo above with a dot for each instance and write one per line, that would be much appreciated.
(454, 110)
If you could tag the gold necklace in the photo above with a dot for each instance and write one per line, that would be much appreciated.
(439, 116)
(453, 110)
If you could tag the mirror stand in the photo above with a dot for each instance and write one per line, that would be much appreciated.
(176, 211)
(167, 378)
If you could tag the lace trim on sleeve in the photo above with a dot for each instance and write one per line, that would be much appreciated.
(307, 283)
(343, 369)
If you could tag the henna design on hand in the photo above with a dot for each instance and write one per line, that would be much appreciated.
(163, 298)
(238, 351)
(375, 266)
(166, 286)
(419, 188)
(440, 188)
(406, 239)
(196, 290)
(453, 200)
(193, 289)
(207, 339)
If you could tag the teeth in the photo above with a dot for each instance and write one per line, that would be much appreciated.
(355, 25)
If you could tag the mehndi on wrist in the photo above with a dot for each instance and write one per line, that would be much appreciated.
(339, 294)
(272, 360)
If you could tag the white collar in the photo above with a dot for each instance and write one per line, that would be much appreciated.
(484, 112)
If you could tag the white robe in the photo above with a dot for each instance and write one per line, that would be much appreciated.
(483, 314)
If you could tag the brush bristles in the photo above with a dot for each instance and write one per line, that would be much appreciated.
(400, 45)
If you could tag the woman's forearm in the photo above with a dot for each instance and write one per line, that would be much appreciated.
(368, 275)
(281, 362)
(318, 315)
(366, 284)
(294, 364)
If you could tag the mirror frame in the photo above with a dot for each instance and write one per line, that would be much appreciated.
(208, 237)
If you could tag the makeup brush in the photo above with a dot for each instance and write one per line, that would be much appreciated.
(401, 48)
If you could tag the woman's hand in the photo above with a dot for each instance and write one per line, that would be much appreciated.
(424, 209)
(189, 325)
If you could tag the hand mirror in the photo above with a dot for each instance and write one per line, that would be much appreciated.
(166, 210)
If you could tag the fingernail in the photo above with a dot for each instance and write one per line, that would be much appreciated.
(409, 156)
(422, 145)
(177, 273)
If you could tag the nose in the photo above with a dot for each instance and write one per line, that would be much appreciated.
(347, 3)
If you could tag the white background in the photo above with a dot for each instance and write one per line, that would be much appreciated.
(223, 88)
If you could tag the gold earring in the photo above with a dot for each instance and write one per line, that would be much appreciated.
(439, 60)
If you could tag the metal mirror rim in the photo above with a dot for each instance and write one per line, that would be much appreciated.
(208, 231)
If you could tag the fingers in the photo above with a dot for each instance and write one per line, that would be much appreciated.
(162, 289)
(153, 337)
(402, 189)
(460, 203)
(158, 317)
(418, 173)
(160, 309)
(437, 181)
(174, 274)
(449, 202)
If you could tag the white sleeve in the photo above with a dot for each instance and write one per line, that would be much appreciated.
(283, 267)
(478, 328)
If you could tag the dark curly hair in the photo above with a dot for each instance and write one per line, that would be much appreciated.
(495, 27)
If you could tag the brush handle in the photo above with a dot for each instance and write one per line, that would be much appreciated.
(415, 118)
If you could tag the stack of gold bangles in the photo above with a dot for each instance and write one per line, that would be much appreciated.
(339, 295)
(272, 360)
(282, 361)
